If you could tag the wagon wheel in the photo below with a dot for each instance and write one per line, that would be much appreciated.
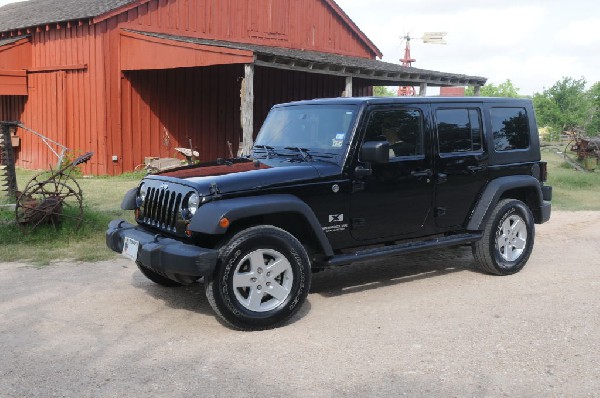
(49, 202)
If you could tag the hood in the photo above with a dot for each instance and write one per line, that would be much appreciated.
(242, 175)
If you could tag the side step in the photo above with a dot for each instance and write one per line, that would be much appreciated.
(402, 248)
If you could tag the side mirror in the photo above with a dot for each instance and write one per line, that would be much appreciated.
(375, 152)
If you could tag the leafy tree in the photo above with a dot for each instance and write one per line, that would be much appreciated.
(382, 91)
(506, 89)
(565, 106)
(594, 98)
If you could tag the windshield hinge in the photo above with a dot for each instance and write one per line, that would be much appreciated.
(214, 190)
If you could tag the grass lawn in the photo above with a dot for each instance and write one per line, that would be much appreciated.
(102, 202)
(573, 190)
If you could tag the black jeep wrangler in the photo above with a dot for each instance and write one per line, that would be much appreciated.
(335, 181)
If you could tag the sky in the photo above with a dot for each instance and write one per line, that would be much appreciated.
(534, 43)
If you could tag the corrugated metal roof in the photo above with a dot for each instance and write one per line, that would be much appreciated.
(41, 12)
(311, 61)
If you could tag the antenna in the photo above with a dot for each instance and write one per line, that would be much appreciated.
(407, 61)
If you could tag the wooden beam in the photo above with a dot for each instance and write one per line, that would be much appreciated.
(247, 110)
(348, 92)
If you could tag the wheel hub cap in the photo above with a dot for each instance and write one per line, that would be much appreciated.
(511, 238)
(262, 280)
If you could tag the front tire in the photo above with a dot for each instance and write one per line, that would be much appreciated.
(507, 239)
(262, 279)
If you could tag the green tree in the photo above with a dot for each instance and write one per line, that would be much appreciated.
(382, 91)
(594, 98)
(565, 106)
(506, 89)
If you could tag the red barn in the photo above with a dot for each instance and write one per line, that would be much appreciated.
(134, 78)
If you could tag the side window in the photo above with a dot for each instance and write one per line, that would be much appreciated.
(511, 129)
(459, 130)
(402, 128)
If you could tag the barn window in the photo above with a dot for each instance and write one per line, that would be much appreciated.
(268, 18)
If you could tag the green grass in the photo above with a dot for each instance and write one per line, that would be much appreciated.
(573, 190)
(102, 202)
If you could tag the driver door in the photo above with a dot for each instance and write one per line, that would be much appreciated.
(397, 198)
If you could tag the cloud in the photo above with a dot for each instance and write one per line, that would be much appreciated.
(527, 42)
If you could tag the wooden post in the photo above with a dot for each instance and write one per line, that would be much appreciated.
(348, 92)
(477, 90)
(423, 89)
(247, 110)
(8, 176)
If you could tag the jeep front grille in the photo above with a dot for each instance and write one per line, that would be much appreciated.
(161, 208)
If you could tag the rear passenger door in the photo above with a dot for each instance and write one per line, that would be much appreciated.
(461, 162)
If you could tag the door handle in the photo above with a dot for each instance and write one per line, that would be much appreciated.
(440, 178)
(421, 173)
(474, 169)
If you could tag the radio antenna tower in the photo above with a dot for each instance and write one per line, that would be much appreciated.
(407, 61)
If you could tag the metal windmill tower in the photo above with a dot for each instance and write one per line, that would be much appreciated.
(407, 61)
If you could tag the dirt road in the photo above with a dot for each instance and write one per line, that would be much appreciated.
(418, 325)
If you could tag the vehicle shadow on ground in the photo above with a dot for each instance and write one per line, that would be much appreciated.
(408, 268)
(192, 298)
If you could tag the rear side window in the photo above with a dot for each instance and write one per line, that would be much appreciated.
(511, 129)
(459, 130)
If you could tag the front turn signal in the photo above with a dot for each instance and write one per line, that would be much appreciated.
(224, 223)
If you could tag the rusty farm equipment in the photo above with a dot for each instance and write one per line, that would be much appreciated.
(50, 197)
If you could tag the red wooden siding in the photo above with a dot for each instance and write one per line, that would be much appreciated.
(13, 82)
(11, 107)
(140, 52)
(164, 109)
(67, 96)
(298, 24)
(81, 94)
(16, 55)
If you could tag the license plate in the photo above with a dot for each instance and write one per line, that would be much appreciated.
(130, 248)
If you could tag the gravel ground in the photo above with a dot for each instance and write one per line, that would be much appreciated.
(418, 325)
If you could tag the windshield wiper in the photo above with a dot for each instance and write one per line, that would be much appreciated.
(268, 149)
(302, 151)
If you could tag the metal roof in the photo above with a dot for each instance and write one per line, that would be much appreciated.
(31, 13)
(374, 71)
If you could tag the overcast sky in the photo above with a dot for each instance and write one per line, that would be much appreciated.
(532, 42)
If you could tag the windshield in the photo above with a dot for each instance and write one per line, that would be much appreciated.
(318, 128)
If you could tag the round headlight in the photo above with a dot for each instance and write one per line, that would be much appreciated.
(192, 203)
(141, 196)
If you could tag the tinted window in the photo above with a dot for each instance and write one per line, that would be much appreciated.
(511, 129)
(459, 130)
(402, 128)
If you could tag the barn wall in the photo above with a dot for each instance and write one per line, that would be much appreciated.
(298, 24)
(67, 100)
(164, 109)
(11, 107)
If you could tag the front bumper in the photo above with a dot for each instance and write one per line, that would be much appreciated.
(169, 257)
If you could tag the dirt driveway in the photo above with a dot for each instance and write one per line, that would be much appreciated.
(418, 325)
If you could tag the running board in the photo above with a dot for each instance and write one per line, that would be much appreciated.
(402, 248)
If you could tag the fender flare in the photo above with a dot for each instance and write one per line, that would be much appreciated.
(206, 219)
(492, 193)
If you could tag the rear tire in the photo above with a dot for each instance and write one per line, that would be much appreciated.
(157, 278)
(507, 239)
(262, 278)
